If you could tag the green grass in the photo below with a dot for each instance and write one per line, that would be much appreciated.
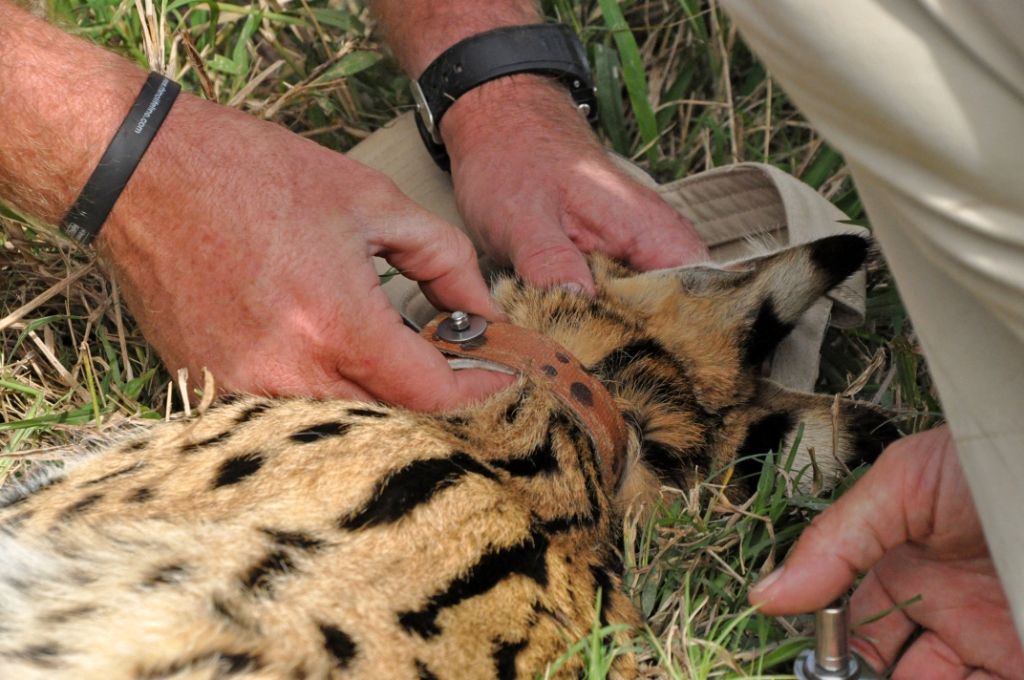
(678, 91)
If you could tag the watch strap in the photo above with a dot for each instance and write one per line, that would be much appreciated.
(546, 49)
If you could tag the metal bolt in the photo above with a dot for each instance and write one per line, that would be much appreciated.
(461, 327)
(831, 658)
(584, 109)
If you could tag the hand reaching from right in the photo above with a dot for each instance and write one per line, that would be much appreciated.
(911, 525)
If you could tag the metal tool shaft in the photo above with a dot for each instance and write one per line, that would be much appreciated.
(832, 637)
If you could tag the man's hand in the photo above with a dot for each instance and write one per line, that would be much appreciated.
(532, 182)
(537, 189)
(247, 249)
(911, 525)
(241, 247)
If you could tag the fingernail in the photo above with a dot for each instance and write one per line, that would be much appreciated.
(499, 312)
(768, 581)
(574, 288)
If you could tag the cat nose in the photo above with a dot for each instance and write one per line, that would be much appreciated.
(831, 658)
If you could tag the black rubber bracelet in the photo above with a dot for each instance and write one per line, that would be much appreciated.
(119, 161)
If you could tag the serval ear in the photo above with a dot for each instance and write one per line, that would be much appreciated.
(785, 284)
(718, 316)
(839, 433)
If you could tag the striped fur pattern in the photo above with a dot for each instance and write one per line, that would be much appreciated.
(294, 539)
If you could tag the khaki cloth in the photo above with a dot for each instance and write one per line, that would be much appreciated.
(926, 100)
(739, 211)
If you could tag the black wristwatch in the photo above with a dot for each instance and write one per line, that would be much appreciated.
(547, 49)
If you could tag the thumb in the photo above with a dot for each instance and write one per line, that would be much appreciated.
(396, 365)
(893, 503)
(546, 257)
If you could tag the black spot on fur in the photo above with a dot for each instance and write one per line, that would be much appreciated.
(65, 615)
(423, 673)
(228, 613)
(549, 370)
(505, 658)
(561, 357)
(366, 413)
(402, 491)
(78, 508)
(140, 495)
(838, 256)
(211, 441)
(294, 539)
(250, 413)
(622, 358)
(457, 420)
(228, 399)
(540, 460)
(528, 558)
(227, 664)
(339, 645)
(136, 446)
(234, 470)
(318, 432)
(563, 525)
(667, 461)
(14, 523)
(513, 409)
(763, 436)
(171, 573)
(116, 473)
(766, 434)
(233, 664)
(259, 576)
(765, 334)
(46, 655)
(581, 393)
(870, 429)
(603, 581)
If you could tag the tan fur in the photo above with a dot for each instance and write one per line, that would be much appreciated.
(292, 539)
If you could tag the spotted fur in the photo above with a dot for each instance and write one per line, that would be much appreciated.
(292, 539)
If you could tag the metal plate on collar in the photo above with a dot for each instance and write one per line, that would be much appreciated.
(461, 327)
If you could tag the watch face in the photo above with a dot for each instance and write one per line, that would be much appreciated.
(426, 115)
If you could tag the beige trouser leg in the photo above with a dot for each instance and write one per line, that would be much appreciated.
(738, 211)
(926, 100)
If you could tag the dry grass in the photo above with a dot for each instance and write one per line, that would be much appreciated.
(72, 360)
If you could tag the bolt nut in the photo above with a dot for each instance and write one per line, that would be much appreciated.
(461, 327)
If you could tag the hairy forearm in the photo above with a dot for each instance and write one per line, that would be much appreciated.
(61, 101)
(419, 30)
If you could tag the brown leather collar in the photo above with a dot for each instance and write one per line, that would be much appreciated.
(529, 353)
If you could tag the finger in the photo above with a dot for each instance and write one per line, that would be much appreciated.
(880, 641)
(851, 536)
(632, 223)
(930, 657)
(429, 250)
(397, 366)
(671, 242)
(546, 257)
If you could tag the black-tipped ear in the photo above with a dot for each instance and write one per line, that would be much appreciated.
(765, 334)
(839, 256)
(870, 429)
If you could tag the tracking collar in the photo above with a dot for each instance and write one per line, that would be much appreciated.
(525, 352)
